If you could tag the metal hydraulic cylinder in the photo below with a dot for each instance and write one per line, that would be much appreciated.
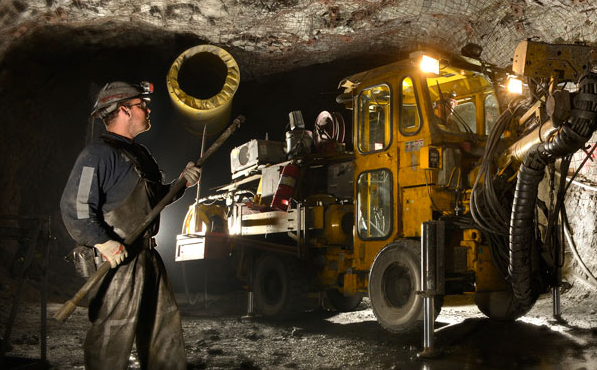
(251, 296)
(251, 304)
(557, 311)
(432, 280)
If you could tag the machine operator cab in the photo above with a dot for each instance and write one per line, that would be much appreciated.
(420, 125)
(456, 97)
(420, 128)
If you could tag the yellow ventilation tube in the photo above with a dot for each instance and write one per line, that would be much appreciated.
(201, 83)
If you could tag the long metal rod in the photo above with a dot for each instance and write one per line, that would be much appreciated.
(251, 303)
(194, 227)
(429, 287)
(428, 281)
(299, 232)
(428, 323)
(69, 306)
(251, 297)
(192, 301)
(201, 170)
(557, 310)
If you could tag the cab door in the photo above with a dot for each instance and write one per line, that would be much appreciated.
(376, 163)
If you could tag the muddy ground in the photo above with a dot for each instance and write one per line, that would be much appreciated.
(218, 337)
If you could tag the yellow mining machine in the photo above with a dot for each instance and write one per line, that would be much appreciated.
(438, 198)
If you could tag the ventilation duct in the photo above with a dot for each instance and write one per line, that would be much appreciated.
(201, 83)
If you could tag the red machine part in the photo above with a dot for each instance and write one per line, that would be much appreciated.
(285, 187)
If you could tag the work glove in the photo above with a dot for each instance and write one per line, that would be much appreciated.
(113, 251)
(192, 174)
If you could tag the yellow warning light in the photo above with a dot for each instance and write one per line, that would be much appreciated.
(429, 64)
(514, 85)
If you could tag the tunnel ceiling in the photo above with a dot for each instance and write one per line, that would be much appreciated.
(275, 36)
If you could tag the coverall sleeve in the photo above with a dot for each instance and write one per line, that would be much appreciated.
(82, 199)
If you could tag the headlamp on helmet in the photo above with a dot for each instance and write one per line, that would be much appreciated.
(114, 93)
(147, 87)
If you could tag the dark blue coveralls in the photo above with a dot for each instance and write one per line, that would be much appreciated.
(113, 185)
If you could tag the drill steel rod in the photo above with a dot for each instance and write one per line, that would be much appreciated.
(69, 306)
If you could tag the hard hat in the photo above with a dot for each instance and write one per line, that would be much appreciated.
(115, 92)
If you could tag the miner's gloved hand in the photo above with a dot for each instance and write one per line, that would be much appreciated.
(192, 174)
(113, 251)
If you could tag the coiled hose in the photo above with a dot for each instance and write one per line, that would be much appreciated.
(567, 140)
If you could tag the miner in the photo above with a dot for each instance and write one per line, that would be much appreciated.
(113, 186)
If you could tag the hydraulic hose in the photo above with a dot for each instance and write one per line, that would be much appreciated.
(567, 140)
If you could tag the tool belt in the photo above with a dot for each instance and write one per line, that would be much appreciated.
(88, 259)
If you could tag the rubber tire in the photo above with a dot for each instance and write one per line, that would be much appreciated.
(400, 313)
(342, 303)
(499, 305)
(279, 286)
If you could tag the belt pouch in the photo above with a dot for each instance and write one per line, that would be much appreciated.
(84, 260)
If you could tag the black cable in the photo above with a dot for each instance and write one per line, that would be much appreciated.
(430, 197)
(488, 210)
(495, 218)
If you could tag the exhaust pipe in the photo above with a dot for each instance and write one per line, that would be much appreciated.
(201, 83)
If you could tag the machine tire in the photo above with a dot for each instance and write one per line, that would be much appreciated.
(394, 279)
(342, 303)
(499, 305)
(279, 287)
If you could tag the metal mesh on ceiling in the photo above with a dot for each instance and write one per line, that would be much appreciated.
(326, 30)
(272, 36)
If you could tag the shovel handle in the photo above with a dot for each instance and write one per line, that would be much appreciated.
(69, 306)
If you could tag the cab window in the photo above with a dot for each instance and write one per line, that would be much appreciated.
(458, 99)
(466, 111)
(374, 119)
(374, 204)
(410, 119)
(492, 112)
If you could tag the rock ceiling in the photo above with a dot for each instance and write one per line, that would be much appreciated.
(274, 36)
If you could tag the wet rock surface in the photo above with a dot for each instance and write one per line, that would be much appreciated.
(219, 336)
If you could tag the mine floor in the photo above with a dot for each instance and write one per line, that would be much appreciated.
(217, 336)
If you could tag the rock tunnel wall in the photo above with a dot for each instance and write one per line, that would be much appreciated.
(581, 207)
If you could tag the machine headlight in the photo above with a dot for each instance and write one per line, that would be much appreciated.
(514, 85)
(429, 64)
